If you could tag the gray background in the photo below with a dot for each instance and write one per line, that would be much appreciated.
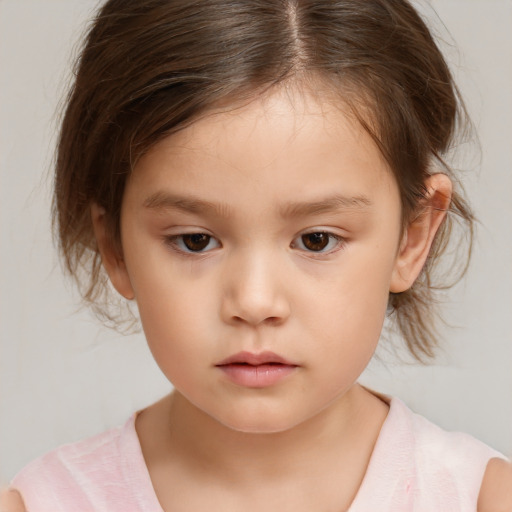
(64, 377)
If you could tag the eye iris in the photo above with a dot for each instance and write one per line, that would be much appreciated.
(196, 241)
(315, 241)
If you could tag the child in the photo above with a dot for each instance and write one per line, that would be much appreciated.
(265, 180)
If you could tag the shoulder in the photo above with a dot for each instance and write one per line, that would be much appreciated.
(496, 491)
(67, 459)
(69, 474)
(449, 448)
(443, 448)
(450, 466)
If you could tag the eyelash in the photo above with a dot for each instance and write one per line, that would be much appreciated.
(177, 244)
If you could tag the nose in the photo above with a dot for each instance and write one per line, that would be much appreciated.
(255, 291)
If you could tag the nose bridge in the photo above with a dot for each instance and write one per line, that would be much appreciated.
(255, 290)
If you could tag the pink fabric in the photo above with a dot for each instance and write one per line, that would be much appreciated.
(105, 473)
(415, 466)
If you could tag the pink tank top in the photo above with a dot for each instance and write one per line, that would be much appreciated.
(415, 466)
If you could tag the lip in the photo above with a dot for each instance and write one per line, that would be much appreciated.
(255, 359)
(256, 370)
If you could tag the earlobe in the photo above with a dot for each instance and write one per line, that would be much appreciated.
(113, 262)
(419, 235)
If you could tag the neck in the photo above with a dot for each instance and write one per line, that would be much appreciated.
(341, 437)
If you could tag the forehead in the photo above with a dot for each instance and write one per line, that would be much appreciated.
(287, 145)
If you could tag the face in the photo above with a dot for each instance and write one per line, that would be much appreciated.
(260, 245)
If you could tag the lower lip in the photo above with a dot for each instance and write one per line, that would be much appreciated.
(259, 376)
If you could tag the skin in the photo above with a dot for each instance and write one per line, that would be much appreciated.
(11, 501)
(247, 179)
(257, 287)
(496, 491)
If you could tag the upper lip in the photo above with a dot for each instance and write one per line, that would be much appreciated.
(255, 359)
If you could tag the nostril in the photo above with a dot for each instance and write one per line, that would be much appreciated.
(270, 320)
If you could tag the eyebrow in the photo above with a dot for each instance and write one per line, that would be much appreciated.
(189, 204)
(165, 201)
(330, 204)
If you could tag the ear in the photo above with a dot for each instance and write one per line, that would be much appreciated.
(111, 258)
(419, 235)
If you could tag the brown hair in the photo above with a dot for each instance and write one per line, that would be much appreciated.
(150, 67)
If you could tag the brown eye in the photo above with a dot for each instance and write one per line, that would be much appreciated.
(315, 241)
(189, 244)
(196, 242)
(319, 242)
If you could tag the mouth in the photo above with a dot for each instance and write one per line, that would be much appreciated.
(256, 370)
(251, 359)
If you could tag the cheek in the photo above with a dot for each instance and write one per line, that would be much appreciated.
(171, 313)
(352, 304)
(171, 331)
(172, 308)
